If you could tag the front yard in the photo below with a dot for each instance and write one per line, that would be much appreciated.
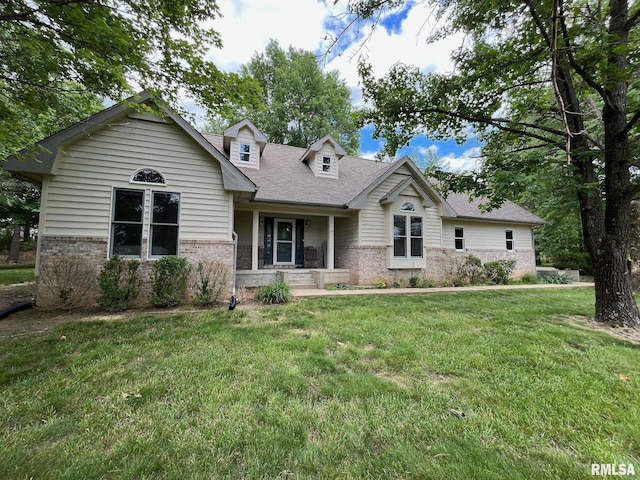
(485, 385)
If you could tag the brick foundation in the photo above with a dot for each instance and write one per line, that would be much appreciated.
(92, 251)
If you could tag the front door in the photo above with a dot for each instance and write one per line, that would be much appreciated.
(285, 241)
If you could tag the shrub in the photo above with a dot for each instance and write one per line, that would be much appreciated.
(208, 281)
(277, 292)
(567, 260)
(472, 271)
(529, 278)
(556, 279)
(414, 281)
(428, 283)
(119, 282)
(67, 280)
(380, 284)
(169, 280)
(499, 271)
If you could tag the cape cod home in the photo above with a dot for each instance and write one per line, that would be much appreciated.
(138, 185)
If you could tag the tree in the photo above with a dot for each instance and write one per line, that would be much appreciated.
(20, 200)
(559, 74)
(109, 47)
(300, 104)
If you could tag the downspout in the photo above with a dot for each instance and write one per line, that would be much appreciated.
(234, 300)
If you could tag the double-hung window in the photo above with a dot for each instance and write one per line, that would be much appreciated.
(458, 238)
(509, 240)
(128, 219)
(126, 226)
(407, 234)
(326, 165)
(245, 153)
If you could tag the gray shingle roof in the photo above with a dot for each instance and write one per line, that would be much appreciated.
(283, 178)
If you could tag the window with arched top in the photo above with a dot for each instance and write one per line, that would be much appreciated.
(148, 175)
(407, 207)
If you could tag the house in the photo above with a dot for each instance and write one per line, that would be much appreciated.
(127, 182)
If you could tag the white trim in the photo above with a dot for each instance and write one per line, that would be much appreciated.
(136, 182)
(512, 240)
(112, 221)
(455, 237)
(241, 153)
(293, 240)
(150, 224)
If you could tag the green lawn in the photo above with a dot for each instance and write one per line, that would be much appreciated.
(350, 387)
(16, 275)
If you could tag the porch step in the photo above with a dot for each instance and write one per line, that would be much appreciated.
(300, 280)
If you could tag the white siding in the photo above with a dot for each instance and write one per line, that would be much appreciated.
(79, 195)
(245, 135)
(487, 236)
(346, 231)
(327, 150)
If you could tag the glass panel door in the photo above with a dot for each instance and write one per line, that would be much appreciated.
(285, 241)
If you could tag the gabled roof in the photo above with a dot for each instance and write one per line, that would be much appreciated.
(233, 130)
(318, 144)
(33, 165)
(396, 191)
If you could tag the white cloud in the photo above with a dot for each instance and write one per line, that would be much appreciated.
(470, 159)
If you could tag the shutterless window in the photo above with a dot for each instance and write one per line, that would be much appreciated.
(401, 239)
(509, 239)
(399, 236)
(165, 216)
(459, 238)
(416, 236)
(326, 164)
(148, 175)
(126, 226)
(245, 152)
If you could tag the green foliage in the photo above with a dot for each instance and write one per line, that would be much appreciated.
(499, 271)
(471, 271)
(300, 103)
(209, 279)
(566, 260)
(529, 278)
(111, 48)
(556, 279)
(169, 281)
(414, 281)
(119, 282)
(277, 292)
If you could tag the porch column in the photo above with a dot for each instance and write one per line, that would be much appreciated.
(331, 233)
(255, 240)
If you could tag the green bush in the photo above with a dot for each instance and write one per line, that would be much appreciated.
(277, 292)
(499, 271)
(529, 278)
(428, 283)
(169, 280)
(208, 281)
(556, 279)
(472, 271)
(119, 282)
(414, 281)
(567, 260)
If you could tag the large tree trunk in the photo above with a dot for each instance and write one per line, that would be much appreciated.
(14, 249)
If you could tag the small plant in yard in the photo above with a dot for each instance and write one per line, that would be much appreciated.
(472, 271)
(119, 282)
(66, 281)
(208, 281)
(499, 271)
(428, 283)
(556, 279)
(277, 292)
(529, 278)
(414, 281)
(169, 280)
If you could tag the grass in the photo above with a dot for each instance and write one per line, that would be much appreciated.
(350, 387)
(16, 275)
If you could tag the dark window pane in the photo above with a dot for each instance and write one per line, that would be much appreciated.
(128, 206)
(459, 232)
(416, 247)
(509, 234)
(416, 226)
(459, 244)
(399, 225)
(164, 240)
(400, 247)
(407, 207)
(148, 175)
(127, 239)
(283, 252)
(285, 232)
(509, 245)
(165, 207)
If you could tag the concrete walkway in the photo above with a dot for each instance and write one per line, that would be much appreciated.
(319, 292)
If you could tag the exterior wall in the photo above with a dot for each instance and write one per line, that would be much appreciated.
(92, 251)
(327, 150)
(487, 236)
(245, 135)
(78, 197)
(346, 231)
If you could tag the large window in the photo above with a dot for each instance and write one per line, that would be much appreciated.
(126, 226)
(458, 238)
(509, 240)
(245, 153)
(128, 222)
(165, 215)
(407, 236)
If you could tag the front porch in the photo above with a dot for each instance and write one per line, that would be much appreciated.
(297, 278)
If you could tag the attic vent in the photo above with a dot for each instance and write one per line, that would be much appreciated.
(407, 207)
(148, 175)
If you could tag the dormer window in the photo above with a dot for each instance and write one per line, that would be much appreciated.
(148, 175)
(244, 153)
(327, 165)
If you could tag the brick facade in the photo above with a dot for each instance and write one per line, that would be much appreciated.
(92, 251)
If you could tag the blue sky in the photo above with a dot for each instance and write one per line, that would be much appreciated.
(248, 25)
